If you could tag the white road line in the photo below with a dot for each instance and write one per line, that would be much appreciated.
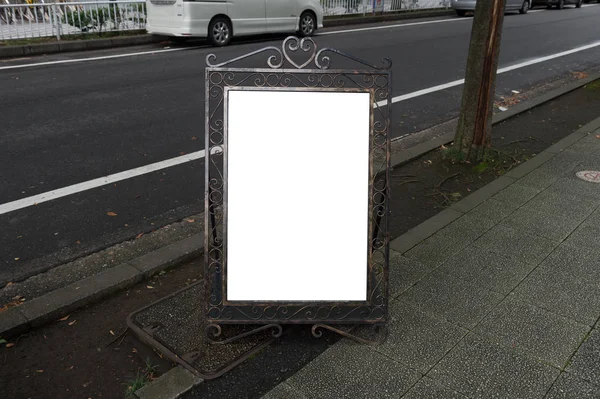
(520, 65)
(106, 57)
(102, 181)
(88, 185)
(337, 32)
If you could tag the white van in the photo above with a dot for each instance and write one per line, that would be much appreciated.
(220, 20)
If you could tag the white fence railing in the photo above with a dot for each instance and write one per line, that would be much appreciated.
(21, 21)
(364, 7)
(42, 19)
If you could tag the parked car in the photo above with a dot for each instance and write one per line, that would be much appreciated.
(463, 6)
(560, 4)
(220, 20)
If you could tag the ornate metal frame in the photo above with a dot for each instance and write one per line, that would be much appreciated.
(285, 72)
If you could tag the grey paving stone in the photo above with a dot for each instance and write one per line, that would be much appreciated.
(493, 210)
(575, 186)
(542, 334)
(417, 339)
(284, 391)
(565, 283)
(441, 246)
(516, 194)
(540, 179)
(353, 371)
(586, 236)
(567, 386)
(404, 273)
(452, 299)
(481, 369)
(427, 388)
(424, 230)
(518, 244)
(551, 226)
(483, 194)
(482, 268)
(586, 362)
(566, 205)
(170, 385)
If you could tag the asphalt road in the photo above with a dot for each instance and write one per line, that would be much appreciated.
(67, 123)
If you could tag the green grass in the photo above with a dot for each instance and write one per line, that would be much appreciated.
(86, 36)
(593, 86)
(140, 380)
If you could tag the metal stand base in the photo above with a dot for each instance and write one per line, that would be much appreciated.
(215, 331)
(317, 333)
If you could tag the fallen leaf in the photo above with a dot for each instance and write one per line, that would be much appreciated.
(111, 213)
(77, 242)
(8, 284)
(194, 138)
(10, 345)
(598, 136)
(70, 368)
(39, 371)
(111, 332)
(190, 220)
(64, 318)
(73, 322)
(139, 236)
(150, 287)
(86, 384)
(134, 350)
(17, 258)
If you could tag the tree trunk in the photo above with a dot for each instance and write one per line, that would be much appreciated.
(473, 135)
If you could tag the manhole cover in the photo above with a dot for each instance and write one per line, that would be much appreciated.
(593, 176)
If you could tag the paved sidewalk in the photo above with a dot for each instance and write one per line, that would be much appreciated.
(495, 297)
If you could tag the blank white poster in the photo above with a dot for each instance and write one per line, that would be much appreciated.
(298, 195)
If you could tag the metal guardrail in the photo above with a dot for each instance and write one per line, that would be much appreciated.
(22, 21)
(367, 7)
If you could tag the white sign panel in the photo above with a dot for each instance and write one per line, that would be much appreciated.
(297, 190)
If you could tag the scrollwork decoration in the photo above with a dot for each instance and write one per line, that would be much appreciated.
(297, 65)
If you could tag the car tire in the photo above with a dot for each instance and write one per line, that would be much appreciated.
(307, 24)
(561, 4)
(525, 7)
(549, 6)
(461, 13)
(220, 32)
(579, 4)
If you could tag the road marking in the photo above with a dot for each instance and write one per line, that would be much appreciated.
(88, 185)
(102, 181)
(519, 65)
(438, 21)
(105, 57)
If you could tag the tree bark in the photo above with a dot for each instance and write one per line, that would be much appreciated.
(473, 135)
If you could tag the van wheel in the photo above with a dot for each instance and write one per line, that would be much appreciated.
(220, 32)
(461, 13)
(561, 4)
(308, 24)
(525, 7)
(579, 4)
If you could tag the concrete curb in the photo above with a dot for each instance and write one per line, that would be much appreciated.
(426, 229)
(430, 145)
(170, 385)
(77, 45)
(55, 304)
(123, 41)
